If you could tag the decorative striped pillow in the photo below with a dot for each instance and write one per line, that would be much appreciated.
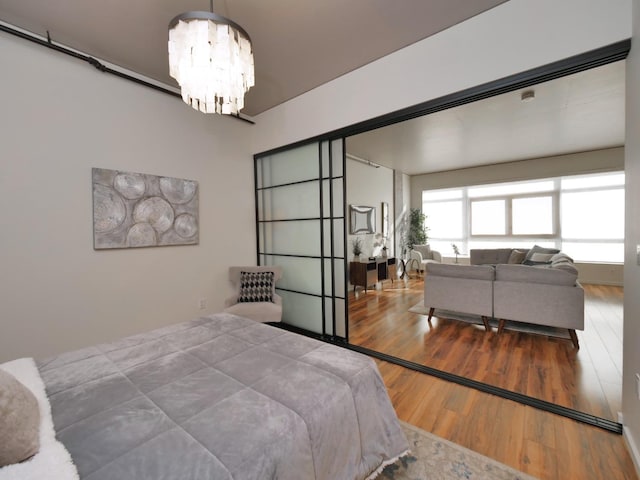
(256, 287)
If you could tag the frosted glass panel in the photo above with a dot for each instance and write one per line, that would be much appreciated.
(339, 314)
(294, 190)
(336, 159)
(325, 159)
(341, 320)
(338, 198)
(338, 235)
(338, 238)
(338, 277)
(338, 265)
(291, 238)
(288, 202)
(288, 167)
(300, 274)
(328, 316)
(336, 148)
(302, 311)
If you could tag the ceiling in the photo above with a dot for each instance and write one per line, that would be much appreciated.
(301, 44)
(580, 112)
(298, 44)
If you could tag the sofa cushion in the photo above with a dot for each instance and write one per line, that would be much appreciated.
(258, 311)
(474, 272)
(533, 274)
(538, 249)
(517, 256)
(489, 256)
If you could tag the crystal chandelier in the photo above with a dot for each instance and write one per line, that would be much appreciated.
(210, 56)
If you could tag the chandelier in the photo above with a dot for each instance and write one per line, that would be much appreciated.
(210, 57)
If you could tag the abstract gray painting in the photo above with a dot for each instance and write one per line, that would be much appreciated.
(140, 210)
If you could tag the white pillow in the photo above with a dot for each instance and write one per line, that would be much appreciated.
(52, 461)
(19, 421)
(541, 257)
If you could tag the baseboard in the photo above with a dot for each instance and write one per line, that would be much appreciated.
(633, 448)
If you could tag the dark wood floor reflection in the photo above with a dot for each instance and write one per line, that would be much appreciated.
(542, 444)
(588, 379)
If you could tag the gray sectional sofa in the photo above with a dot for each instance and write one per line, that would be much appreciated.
(544, 290)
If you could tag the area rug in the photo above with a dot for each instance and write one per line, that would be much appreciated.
(509, 325)
(434, 458)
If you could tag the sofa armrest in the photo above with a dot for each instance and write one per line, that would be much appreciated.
(436, 256)
(415, 255)
(277, 299)
(231, 301)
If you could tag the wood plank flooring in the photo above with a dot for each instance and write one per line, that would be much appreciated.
(547, 446)
(588, 379)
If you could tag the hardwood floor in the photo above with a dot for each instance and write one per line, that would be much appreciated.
(545, 445)
(588, 379)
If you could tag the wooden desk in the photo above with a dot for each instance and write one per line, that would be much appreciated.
(369, 272)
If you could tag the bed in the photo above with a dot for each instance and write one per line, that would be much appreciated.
(220, 397)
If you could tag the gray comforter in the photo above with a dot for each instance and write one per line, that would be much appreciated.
(221, 397)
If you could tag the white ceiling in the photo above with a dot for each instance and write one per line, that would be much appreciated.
(576, 113)
(298, 44)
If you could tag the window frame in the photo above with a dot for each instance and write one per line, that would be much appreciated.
(555, 239)
(508, 213)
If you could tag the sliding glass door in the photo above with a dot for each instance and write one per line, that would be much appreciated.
(300, 226)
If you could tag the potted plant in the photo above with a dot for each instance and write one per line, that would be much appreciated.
(455, 250)
(356, 247)
(417, 232)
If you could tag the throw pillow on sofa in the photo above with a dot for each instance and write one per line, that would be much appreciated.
(517, 256)
(528, 260)
(540, 259)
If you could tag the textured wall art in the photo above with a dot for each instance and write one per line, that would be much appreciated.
(140, 210)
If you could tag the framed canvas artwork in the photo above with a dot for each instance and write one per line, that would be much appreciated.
(140, 210)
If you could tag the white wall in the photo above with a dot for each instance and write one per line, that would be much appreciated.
(515, 36)
(60, 117)
(631, 355)
(370, 187)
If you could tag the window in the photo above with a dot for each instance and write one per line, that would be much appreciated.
(440, 207)
(532, 216)
(488, 217)
(581, 214)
